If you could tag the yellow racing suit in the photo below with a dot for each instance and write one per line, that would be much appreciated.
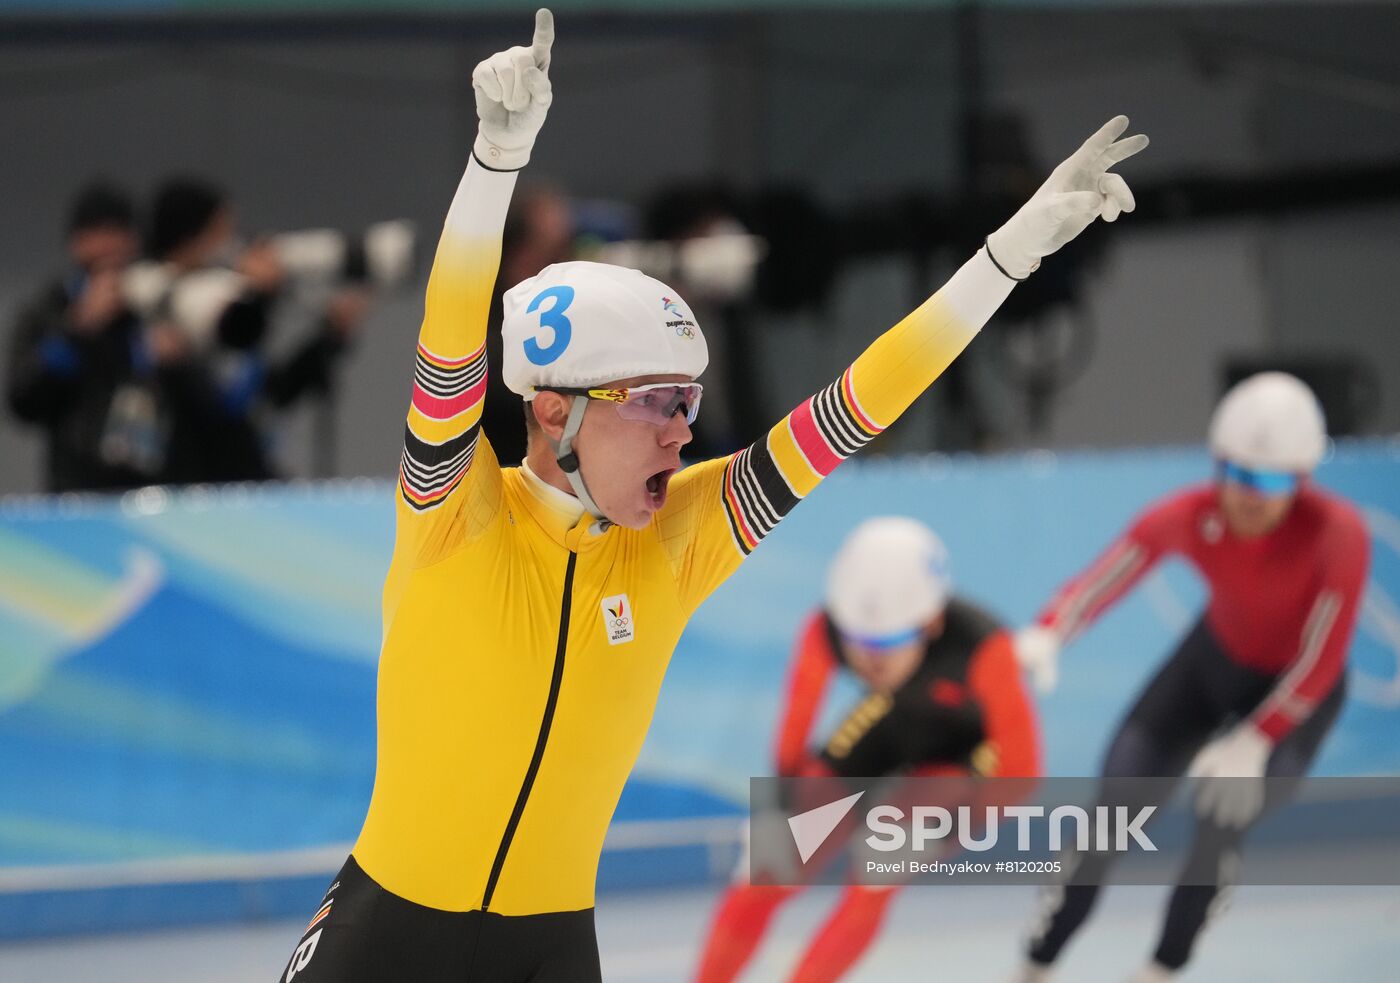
(523, 650)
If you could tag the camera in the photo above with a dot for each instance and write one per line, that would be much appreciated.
(383, 257)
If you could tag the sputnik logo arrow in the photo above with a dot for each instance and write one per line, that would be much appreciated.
(811, 828)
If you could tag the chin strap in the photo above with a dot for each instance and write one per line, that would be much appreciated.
(567, 459)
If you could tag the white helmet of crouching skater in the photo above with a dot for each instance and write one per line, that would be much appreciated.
(1270, 422)
(889, 579)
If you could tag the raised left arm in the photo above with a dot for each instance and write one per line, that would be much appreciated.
(720, 511)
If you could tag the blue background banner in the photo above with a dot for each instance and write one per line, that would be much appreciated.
(187, 678)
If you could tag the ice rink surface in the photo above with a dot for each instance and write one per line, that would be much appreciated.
(959, 935)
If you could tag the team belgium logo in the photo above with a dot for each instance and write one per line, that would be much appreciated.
(685, 327)
(619, 620)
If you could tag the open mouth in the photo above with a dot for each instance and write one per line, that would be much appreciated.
(656, 487)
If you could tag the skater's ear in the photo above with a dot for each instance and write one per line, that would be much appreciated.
(546, 415)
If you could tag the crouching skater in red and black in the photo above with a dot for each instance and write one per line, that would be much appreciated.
(944, 698)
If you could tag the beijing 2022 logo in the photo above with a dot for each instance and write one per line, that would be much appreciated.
(685, 327)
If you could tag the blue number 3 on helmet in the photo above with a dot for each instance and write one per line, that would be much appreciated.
(553, 318)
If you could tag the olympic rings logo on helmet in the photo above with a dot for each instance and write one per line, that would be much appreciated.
(685, 331)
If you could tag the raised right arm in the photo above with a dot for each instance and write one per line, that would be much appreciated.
(449, 490)
(443, 430)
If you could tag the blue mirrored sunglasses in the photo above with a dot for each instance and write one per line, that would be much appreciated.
(882, 641)
(1264, 482)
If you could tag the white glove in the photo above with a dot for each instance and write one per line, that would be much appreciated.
(1242, 753)
(1076, 193)
(512, 97)
(1038, 652)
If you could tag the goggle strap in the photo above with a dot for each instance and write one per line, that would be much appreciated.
(567, 460)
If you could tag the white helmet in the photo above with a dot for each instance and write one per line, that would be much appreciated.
(578, 325)
(583, 324)
(888, 580)
(1270, 422)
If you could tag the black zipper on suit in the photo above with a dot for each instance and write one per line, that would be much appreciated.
(541, 741)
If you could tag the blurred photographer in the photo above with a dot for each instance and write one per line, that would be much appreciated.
(220, 300)
(83, 366)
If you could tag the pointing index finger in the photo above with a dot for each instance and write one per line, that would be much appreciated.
(544, 37)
